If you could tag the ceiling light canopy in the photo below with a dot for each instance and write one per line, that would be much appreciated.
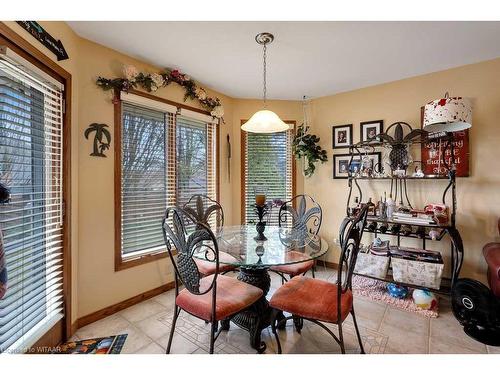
(264, 121)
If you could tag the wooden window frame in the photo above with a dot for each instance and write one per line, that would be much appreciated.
(120, 263)
(64, 329)
(243, 170)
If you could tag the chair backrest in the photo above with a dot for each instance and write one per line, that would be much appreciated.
(185, 235)
(307, 215)
(205, 210)
(351, 232)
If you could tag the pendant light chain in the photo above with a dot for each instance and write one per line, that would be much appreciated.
(265, 74)
(264, 121)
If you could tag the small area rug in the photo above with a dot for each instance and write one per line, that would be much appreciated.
(101, 345)
(377, 291)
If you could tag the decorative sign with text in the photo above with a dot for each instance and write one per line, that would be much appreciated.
(432, 160)
(45, 38)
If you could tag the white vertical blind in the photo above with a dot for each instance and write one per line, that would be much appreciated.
(165, 160)
(31, 130)
(268, 164)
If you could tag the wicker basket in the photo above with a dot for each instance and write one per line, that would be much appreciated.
(372, 265)
(417, 273)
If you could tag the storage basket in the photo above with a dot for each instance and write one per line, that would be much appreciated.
(416, 272)
(372, 265)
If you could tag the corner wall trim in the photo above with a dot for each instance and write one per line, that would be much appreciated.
(110, 310)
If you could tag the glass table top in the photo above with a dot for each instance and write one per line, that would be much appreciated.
(238, 247)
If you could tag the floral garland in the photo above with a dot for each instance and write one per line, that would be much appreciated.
(153, 81)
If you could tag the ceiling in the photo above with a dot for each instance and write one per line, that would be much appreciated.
(306, 58)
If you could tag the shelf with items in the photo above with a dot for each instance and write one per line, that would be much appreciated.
(445, 287)
(399, 160)
(426, 177)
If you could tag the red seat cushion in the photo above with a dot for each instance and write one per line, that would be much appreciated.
(491, 254)
(207, 268)
(295, 269)
(232, 296)
(311, 298)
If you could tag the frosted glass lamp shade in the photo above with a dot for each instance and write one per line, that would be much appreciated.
(448, 115)
(265, 121)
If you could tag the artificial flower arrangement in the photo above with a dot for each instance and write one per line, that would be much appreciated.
(151, 82)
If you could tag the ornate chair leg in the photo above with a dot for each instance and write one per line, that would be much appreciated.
(313, 270)
(213, 328)
(341, 338)
(298, 323)
(172, 328)
(274, 321)
(357, 332)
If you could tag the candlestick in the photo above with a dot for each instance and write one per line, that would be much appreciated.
(260, 199)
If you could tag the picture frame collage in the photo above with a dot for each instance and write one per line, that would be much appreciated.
(342, 138)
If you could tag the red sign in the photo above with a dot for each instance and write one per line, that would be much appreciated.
(432, 159)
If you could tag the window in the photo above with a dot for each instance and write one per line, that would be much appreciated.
(165, 158)
(195, 159)
(31, 142)
(267, 161)
(144, 178)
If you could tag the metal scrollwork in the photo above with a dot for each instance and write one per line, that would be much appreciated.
(200, 239)
(202, 208)
(350, 238)
(303, 218)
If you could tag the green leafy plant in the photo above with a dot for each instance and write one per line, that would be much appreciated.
(306, 146)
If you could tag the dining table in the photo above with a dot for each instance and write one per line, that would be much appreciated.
(242, 247)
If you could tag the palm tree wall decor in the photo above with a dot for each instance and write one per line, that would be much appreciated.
(102, 138)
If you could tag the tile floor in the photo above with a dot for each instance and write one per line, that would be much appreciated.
(384, 330)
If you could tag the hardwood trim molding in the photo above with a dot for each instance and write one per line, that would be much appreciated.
(110, 310)
(29, 52)
(120, 263)
(167, 101)
(243, 138)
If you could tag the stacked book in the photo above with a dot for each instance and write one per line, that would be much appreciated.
(415, 254)
(412, 218)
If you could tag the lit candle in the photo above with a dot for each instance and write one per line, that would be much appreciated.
(260, 199)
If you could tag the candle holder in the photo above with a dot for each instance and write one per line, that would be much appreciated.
(261, 211)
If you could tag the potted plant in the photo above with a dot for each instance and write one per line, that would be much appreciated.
(305, 147)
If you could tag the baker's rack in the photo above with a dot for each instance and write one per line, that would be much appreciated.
(398, 189)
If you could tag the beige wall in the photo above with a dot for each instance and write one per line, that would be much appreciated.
(95, 283)
(243, 110)
(478, 196)
(99, 285)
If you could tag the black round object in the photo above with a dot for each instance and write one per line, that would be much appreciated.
(478, 310)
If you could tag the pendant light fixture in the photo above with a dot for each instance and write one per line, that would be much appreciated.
(264, 121)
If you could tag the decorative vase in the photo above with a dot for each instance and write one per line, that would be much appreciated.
(304, 165)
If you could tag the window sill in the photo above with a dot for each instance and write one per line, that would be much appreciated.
(129, 262)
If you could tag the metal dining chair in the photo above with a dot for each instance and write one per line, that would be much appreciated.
(212, 298)
(209, 212)
(320, 301)
(306, 218)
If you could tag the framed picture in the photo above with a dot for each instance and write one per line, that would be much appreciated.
(363, 164)
(341, 136)
(341, 165)
(369, 129)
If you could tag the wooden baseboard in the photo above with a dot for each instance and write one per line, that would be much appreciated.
(110, 310)
(327, 264)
